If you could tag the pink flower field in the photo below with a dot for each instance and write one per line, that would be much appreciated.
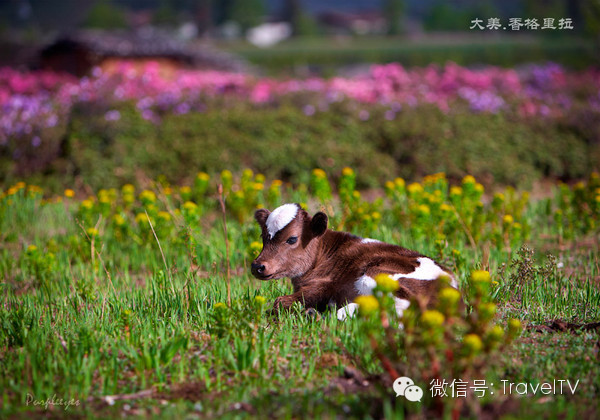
(34, 101)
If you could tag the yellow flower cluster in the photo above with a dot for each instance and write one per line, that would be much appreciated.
(367, 304)
(432, 318)
(386, 283)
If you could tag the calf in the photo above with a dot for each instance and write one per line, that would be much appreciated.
(333, 268)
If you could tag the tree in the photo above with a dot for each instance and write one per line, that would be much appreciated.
(105, 15)
(591, 18)
(247, 13)
(393, 10)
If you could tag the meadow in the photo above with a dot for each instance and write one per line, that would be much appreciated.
(124, 294)
(329, 55)
(119, 301)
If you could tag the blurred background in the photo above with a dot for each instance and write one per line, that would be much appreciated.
(100, 93)
(306, 36)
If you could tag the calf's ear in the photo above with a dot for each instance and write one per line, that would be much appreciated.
(318, 224)
(261, 216)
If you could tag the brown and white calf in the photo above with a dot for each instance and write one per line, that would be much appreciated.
(333, 268)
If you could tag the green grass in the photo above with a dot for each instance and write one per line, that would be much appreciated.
(327, 55)
(87, 315)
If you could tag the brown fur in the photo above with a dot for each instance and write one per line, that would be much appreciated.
(324, 264)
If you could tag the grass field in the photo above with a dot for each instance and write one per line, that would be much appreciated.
(327, 55)
(117, 304)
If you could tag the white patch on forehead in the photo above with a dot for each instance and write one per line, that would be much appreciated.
(365, 285)
(369, 241)
(280, 218)
(427, 270)
(347, 311)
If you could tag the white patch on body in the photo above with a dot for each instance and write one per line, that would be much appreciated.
(280, 218)
(427, 270)
(364, 285)
(368, 241)
(347, 311)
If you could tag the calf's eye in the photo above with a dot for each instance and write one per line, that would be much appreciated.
(292, 240)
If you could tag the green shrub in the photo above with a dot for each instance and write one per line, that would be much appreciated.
(283, 143)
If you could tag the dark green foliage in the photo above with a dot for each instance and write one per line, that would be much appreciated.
(284, 143)
(106, 15)
(327, 56)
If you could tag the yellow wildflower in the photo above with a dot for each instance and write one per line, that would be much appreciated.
(386, 283)
(164, 216)
(367, 304)
(415, 188)
(432, 318)
(255, 248)
(496, 333)
(87, 204)
(347, 171)
(514, 327)
(445, 208)
(141, 218)
(472, 344)
(449, 297)
(148, 196)
(469, 179)
(480, 276)
(319, 173)
(203, 176)
(487, 311)
(455, 190)
(190, 206)
(34, 189)
(424, 209)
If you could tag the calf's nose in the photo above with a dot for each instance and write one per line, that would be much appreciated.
(258, 268)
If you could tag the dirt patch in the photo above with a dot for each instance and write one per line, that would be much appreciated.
(562, 326)
(352, 382)
(189, 391)
(496, 410)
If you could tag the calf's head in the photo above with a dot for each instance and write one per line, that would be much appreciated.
(290, 241)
